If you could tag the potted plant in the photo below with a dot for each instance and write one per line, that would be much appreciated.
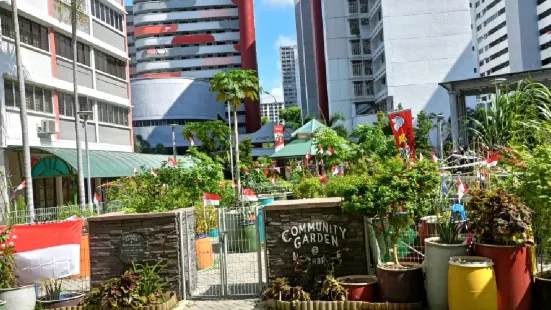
(438, 251)
(534, 190)
(501, 225)
(395, 193)
(56, 298)
(204, 218)
(15, 297)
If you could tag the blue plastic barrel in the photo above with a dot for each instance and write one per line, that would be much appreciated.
(263, 202)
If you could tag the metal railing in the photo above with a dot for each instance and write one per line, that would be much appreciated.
(369, 88)
(358, 89)
(368, 68)
(353, 7)
(366, 47)
(356, 48)
(357, 68)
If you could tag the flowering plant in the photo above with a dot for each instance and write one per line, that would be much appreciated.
(7, 262)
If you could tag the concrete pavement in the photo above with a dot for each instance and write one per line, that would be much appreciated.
(228, 304)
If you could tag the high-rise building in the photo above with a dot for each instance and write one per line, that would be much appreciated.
(507, 35)
(375, 54)
(103, 92)
(289, 58)
(130, 40)
(308, 84)
(187, 43)
(271, 110)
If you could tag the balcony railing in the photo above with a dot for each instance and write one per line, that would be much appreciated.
(364, 7)
(368, 68)
(357, 69)
(369, 89)
(358, 89)
(353, 7)
(356, 48)
(366, 47)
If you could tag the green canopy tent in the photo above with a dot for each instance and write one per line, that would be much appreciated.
(302, 142)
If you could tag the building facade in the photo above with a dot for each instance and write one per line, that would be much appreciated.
(381, 53)
(308, 84)
(271, 110)
(289, 59)
(196, 40)
(103, 88)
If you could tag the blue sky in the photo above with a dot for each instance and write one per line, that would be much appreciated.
(275, 26)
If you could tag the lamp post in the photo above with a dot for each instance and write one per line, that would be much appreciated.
(173, 126)
(497, 82)
(440, 118)
(86, 115)
(231, 148)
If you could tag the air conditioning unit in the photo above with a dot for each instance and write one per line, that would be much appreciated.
(46, 128)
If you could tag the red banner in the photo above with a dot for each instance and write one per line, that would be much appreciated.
(401, 123)
(278, 137)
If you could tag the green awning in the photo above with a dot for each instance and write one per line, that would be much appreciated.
(296, 148)
(107, 164)
(308, 128)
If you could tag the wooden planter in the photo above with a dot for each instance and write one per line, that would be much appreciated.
(338, 305)
(171, 303)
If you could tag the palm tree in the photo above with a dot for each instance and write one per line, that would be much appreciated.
(233, 87)
(23, 114)
(75, 18)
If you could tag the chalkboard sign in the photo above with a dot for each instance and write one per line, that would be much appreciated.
(131, 248)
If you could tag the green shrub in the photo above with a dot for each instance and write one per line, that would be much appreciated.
(338, 186)
(309, 188)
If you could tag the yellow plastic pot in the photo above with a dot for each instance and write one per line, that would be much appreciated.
(471, 283)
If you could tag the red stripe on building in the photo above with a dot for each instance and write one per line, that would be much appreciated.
(160, 29)
(319, 53)
(200, 38)
(160, 75)
(130, 123)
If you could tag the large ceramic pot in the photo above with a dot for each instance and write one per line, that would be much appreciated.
(513, 268)
(360, 288)
(67, 300)
(471, 283)
(401, 285)
(21, 298)
(542, 290)
(437, 257)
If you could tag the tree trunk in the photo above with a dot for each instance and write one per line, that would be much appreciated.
(23, 115)
(237, 170)
(80, 172)
(395, 248)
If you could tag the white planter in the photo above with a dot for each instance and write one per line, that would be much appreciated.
(437, 257)
(21, 298)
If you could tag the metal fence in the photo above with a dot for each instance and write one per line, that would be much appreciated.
(80, 282)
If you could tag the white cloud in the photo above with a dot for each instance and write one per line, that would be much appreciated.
(279, 3)
(277, 92)
(283, 40)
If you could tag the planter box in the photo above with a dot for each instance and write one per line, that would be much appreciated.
(338, 305)
(168, 305)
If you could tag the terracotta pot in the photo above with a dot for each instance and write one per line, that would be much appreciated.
(513, 269)
(205, 253)
(360, 288)
(401, 285)
(542, 291)
(76, 299)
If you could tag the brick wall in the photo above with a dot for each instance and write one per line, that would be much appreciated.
(313, 227)
(161, 233)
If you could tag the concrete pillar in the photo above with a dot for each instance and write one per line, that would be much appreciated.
(59, 190)
(454, 119)
(4, 178)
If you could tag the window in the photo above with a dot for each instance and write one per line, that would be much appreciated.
(65, 103)
(110, 65)
(107, 15)
(354, 26)
(31, 33)
(111, 114)
(36, 98)
(86, 104)
(366, 108)
(63, 48)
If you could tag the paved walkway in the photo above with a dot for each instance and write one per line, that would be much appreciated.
(231, 304)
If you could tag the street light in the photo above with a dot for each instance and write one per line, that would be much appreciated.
(497, 82)
(85, 115)
(440, 118)
(173, 126)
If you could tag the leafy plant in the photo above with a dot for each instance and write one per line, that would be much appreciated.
(52, 289)
(499, 218)
(7, 261)
(339, 185)
(212, 134)
(206, 218)
(151, 283)
(328, 138)
(281, 290)
(308, 188)
(292, 117)
(332, 289)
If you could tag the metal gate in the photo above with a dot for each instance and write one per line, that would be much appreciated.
(229, 261)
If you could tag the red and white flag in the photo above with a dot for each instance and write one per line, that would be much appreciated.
(154, 172)
(492, 161)
(173, 162)
(320, 149)
(433, 157)
(308, 156)
(249, 195)
(274, 179)
(323, 179)
(421, 157)
(135, 170)
(246, 171)
(46, 251)
(336, 170)
(277, 169)
(191, 142)
(97, 198)
(233, 185)
(480, 175)
(330, 151)
(21, 186)
(211, 199)
(461, 188)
